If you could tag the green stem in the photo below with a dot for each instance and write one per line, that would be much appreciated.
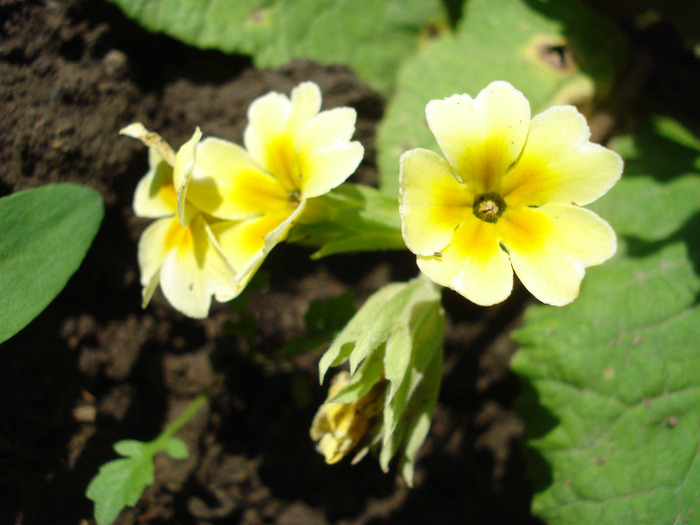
(184, 418)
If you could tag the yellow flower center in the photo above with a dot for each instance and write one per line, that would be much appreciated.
(489, 207)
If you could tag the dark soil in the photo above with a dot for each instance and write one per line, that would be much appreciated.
(95, 368)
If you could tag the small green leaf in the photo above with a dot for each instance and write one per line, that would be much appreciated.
(554, 52)
(175, 447)
(121, 482)
(351, 218)
(372, 38)
(46, 234)
(611, 391)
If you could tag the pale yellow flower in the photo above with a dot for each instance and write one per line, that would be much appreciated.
(507, 198)
(183, 256)
(293, 152)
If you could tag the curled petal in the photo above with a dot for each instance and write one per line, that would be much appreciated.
(228, 184)
(551, 246)
(152, 140)
(474, 265)
(481, 137)
(185, 160)
(559, 165)
(432, 202)
(155, 194)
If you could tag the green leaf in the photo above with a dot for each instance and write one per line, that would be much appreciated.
(360, 326)
(46, 234)
(372, 38)
(396, 337)
(612, 394)
(121, 482)
(530, 44)
(351, 218)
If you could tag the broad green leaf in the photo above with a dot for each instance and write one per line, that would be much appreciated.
(371, 37)
(612, 394)
(528, 43)
(350, 218)
(46, 233)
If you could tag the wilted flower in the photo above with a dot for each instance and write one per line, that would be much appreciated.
(507, 198)
(338, 427)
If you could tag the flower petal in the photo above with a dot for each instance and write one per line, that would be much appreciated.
(432, 202)
(155, 194)
(153, 247)
(152, 140)
(193, 271)
(324, 170)
(559, 164)
(481, 137)
(228, 184)
(185, 160)
(247, 243)
(474, 265)
(267, 116)
(306, 103)
(551, 246)
(326, 129)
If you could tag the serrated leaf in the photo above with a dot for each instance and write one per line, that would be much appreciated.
(526, 43)
(419, 415)
(372, 38)
(46, 233)
(612, 394)
(121, 482)
(360, 324)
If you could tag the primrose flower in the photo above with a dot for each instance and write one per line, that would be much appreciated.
(293, 152)
(338, 427)
(183, 256)
(507, 198)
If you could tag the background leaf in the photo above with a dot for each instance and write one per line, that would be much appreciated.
(530, 44)
(612, 390)
(371, 37)
(46, 233)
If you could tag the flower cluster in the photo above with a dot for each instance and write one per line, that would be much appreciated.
(507, 198)
(221, 208)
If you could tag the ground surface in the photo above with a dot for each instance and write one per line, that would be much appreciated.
(95, 368)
